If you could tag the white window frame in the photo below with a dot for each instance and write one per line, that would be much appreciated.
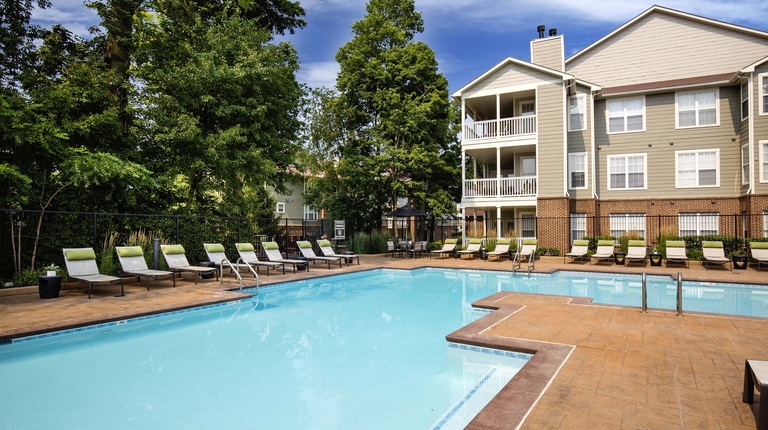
(280, 208)
(744, 100)
(699, 221)
(626, 157)
(624, 101)
(765, 223)
(745, 162)
(763, 148)
(697, 169)
(625, 222)
(762, 83)
(578, 226)
(310, 213)
(581, 109)
(571, 171)
(696, 108)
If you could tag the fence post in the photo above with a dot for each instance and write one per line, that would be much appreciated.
(95, 238)
(156, 253)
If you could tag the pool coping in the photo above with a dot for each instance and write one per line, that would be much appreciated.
(509, 408)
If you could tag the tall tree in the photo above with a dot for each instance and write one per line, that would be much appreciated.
(398, 135)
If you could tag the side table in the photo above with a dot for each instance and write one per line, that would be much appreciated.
(49, 286)
(655, 258)
(739, 261)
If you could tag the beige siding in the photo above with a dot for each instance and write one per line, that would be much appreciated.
(550, 152)
(661, 140)
(548, 52)
(294, 201)
(760, 123)
(580, 141)
(662, 47)
(508, 76)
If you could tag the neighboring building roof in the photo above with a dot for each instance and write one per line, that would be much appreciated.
(724, 78)
(514, 61)
(661, 9)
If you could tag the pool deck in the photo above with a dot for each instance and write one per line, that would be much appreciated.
(618, 368)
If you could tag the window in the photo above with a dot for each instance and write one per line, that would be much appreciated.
(744, 165)
(764, 161)
(763, 83)
(577, 170)
(528, 226)
(626, 115)
(627, 224)
(280, 207)
(310, 213)
(528, 165)
(698, 108)
(697, 168)
(698, 223)
(765, 223)
(744, 101)
(576, 108)
(626, 172)
(578, 226)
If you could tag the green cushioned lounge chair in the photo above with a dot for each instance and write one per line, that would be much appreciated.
(604, 251)
(327, 250)
(758, 251)
(676, 252)
(448, 246)
(217, 255)
(307, 252)
(177, 262)
(273, 254)
(502, 250)
(714, 253)
(81, 265)
(473, 247)
(579, 250)
(133, 263)
(247, 253)
(637, 252)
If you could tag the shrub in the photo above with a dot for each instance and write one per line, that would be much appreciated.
(108, 264)
(368, 243)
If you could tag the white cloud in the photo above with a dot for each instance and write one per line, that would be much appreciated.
(319, 74)
(71, 14)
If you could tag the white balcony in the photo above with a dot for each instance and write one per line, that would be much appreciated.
(500, 128)
(524, 186)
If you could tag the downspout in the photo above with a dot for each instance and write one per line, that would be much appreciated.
(565, 138)
(594, 147)
(751, 137)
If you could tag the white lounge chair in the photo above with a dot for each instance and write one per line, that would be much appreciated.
(502, 249)
(676, 252)
(448, 246)
(528, 249)
(217, 255)
(759, 253)
(714, 253)
(81, 265)
(604, 251)
(473, 247)
(133, 263)
(307, 252)
(273, 254)
(247, 253)
(327, 250)
(637, 252)
(177, 262)
(579, 250)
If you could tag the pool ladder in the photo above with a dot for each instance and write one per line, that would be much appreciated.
(531, 262)
(234, 268)
(679, 294)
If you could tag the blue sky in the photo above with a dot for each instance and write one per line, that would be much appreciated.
(468, 36)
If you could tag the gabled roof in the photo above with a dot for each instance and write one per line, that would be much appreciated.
(673, 12)
(526, 64)
(751, 68)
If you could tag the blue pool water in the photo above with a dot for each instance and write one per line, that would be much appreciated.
(363, 350)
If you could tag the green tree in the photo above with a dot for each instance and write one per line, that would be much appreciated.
(397, 127)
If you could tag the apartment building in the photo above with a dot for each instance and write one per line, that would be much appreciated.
(666, 115)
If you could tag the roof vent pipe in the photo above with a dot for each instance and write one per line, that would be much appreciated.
(552, 32)
(541, 29)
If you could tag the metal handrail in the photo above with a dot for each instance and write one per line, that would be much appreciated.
(531, 261)
(679, 294)
(645, 294)
(235, 269)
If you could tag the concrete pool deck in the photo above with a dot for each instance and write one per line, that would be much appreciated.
(626, 369)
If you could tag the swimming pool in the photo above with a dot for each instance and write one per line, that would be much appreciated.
(348, 351)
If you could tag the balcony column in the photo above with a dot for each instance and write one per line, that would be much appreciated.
(498, 115)
(463, 173)
(498, 171)
(498, 222)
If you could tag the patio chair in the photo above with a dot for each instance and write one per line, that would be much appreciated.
(473, 247)
(177, 262)
(248, 254)
(133, 263)
(759, 253)
(528, 249)
(714, 253)
(502, 249)
(391, 249)
(637, 252)
(418, 248)
(676, 252)
(327, 250)
(579, 250)
(448, 246)
(307, 252)
(217, 255)
(81, 265)
(604, 251)
(273, 254)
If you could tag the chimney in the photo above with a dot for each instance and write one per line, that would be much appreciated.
(548, 52)
(552, 32)
(541, 29)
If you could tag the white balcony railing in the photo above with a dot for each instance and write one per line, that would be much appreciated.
(525, 186)
(505, 127)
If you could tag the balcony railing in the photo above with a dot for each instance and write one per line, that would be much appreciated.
(525, 186)
(496, 128)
